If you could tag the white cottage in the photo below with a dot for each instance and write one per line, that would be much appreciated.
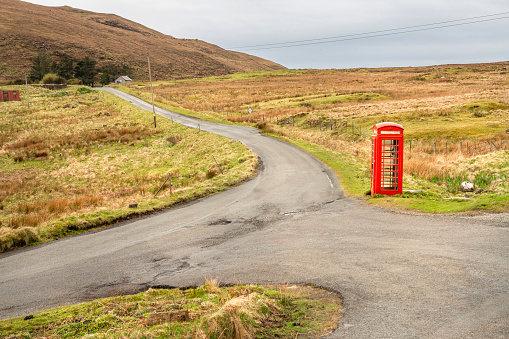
(123, 79)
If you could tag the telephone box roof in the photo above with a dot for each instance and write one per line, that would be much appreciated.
(387, 124)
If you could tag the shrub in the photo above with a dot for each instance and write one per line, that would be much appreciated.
(265, 127)
(51, 78)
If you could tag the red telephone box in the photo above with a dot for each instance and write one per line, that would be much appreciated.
(387, 159)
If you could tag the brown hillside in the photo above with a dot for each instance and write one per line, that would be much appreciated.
(25, 29)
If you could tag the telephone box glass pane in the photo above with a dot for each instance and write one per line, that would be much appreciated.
(390, 165)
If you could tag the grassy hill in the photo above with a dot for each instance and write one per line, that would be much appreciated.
(27, 29)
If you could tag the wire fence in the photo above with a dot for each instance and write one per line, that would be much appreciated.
(463, 147)
(341, 126)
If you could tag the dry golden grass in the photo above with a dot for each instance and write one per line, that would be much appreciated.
(227, 321)
(402, 86)
(428, 166)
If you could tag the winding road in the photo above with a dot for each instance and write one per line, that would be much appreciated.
(400, 275)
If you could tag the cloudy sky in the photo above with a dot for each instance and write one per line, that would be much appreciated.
(400, 32)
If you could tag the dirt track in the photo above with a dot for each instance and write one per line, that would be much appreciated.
(401, 275)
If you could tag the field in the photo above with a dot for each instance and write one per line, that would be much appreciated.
(77, 158)
(456, 120)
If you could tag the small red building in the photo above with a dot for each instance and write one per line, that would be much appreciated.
(387, 159)
(9, 96)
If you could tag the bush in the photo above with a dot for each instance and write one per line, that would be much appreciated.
(17, 82)
(51, 78)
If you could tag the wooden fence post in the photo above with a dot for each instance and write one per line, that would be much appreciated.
(168, 178)
(220, 169)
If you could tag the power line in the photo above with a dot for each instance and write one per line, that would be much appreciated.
(375, 34)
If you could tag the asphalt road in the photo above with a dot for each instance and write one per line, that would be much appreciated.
(401, 275)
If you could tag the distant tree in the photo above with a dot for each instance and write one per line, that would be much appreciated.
(66, 68)
(42, 64)
(85, 71)
(105, 78)
(110, 72)
(17, 82)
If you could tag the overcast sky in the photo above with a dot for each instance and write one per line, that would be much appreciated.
(236, 23)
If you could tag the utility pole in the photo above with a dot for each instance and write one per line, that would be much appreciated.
(151, 90)
(28, 97)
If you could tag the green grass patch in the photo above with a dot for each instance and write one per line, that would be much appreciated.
(463, 122)
(320, 100)
(249, 75)
(478, 107)
(241, 311)
(441, 194)
(432, 203)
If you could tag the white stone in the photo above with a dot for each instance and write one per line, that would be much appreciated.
(466, 186)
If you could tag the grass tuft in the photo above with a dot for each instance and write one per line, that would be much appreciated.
(174, 139)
